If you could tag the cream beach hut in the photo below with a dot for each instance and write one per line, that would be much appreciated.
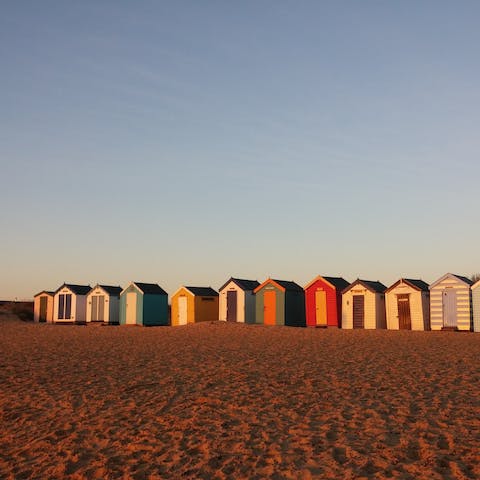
(43, 307)
(69, 303)
(476, 306)
(103, 304)
(408, 305)
(450, 303)
(237, 300)
(363, 305)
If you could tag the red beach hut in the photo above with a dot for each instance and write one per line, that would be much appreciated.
(323, 301)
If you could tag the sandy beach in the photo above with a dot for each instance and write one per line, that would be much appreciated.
(231, 401)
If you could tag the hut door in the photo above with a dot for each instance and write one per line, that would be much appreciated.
(269, 307)
(321, 308)
(43, 309)
(98, 304)
(404, 318)
(182, 310)
(358, 311)
(231, 306)
(449, 303)
(65, 306)
(131, 309)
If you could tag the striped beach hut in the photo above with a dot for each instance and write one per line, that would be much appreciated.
(70, 303)
(237, 300)
(280, 302)
(323, 301)
(476, 306)
(363, 305)
(194, 304)
(43, 307)
(450, 303)
(408, 305)
(103, 304)
(143, 304)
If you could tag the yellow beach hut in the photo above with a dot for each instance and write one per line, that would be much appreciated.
(194, 304)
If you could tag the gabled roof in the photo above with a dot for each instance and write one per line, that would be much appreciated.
(246, 285)
(414, 283)
(463, 279)
(150, 288)
(373, 286)
(476, 285)
(44, 292)
(76, 289)
(338, 282)
(283, 285)
(111, 290)
(203, 291)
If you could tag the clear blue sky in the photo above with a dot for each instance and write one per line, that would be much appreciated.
(187, 142)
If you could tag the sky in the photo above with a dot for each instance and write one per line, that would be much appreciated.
(185, 142)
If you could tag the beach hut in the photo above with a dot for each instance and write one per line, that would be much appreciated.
(363, 305)
(280, 302)
(143, 304)
(408, 305)
(194, 304)
(69, 303)
(103, 304)
(450, 303)
(323, 301)
(43, 307)
(476, 306)
(237, 300)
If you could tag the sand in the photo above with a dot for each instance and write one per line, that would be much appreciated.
(232, 401)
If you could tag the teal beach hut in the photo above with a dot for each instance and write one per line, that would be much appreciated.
(143, 304)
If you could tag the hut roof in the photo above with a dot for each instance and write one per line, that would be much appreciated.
(338, 282)
(77, 289)
(282, 284)
(203, 291)
(44, 292)
(373, 286)
(150, 288)
(111, 290)
(414, 283)
(242, 283)
(459, 277)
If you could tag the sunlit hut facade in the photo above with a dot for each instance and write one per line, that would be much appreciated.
(323, 301)
(408, 305)
(194, 304)
(363, 305)
(237, 300)
(69, 303)
(280, 302)
(476, 306)
(450, 303)
(144, 304)
(103, 304)
(43, 307)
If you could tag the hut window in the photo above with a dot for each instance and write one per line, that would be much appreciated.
(207, 299)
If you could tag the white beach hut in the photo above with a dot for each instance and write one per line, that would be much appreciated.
(103, 304)
(450, 303)
(408, 305)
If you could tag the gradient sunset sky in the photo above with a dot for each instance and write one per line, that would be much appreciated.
(187, 142)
